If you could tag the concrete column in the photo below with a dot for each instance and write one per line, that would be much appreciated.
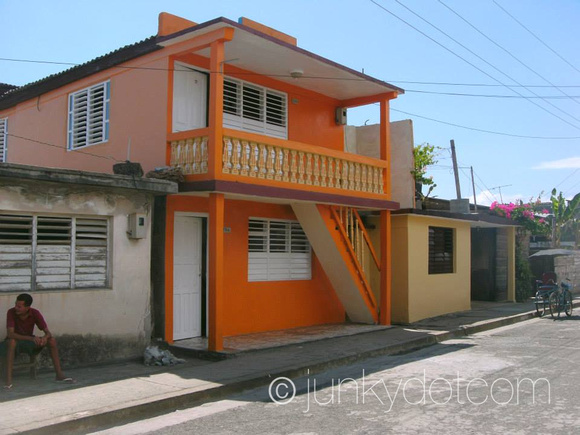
(511, 260)
(386, 276)
(215, 271)
(216, 108)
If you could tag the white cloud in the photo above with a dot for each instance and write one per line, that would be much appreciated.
(568, 163)
(486, 197)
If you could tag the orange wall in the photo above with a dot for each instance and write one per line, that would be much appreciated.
(310, 115)
(258, 306)
(138, 110)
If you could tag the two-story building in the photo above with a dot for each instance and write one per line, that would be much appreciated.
(264, 233)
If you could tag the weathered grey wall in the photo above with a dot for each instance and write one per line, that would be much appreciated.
(91, 325)
(568, 266)
(365, 141)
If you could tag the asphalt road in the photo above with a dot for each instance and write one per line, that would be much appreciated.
(518, 379)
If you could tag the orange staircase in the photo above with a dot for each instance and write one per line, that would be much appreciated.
(341, 243)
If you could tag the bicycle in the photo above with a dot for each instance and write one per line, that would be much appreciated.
(544, 288)
(561, 300)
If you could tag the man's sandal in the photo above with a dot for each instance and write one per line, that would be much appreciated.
(66, 381)
(8, 387)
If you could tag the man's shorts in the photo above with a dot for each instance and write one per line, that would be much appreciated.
(22, 346)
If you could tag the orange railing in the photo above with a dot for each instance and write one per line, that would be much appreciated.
(357, 241)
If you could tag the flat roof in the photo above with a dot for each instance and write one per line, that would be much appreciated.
(13, 171)
(476, 219)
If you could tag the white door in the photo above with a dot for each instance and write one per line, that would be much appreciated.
(187, 271)
(189, 99)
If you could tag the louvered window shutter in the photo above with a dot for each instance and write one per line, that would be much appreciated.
(3, 138)
(16, 235)
(53, 252)
(278, 251)
(254, 108)
(89, 116)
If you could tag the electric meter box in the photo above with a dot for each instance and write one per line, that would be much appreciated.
(340, 116)
(137, 226)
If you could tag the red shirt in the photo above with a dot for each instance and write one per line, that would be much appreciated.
(25, 326)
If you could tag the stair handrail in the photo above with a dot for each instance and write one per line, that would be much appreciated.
(350, 247)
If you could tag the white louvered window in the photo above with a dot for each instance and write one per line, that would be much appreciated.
(278, 251)
(3, 138)
(88, 116)
(53, 252)
(256, 109)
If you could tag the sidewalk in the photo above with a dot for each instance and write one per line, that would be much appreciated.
(114, 393)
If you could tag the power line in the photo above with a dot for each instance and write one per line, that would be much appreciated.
(63, 148)
(573, 172)
(343, 79)
(487, 131)
(535, 36)
(477, 84)
(479, 57)
(461, 94)
(507, 51)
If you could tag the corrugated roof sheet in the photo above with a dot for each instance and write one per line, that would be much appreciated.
(15, 95)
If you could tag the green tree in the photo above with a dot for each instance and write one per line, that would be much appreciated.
(424, 155)
(565, 217)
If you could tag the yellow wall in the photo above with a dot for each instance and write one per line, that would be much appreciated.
(417, 294)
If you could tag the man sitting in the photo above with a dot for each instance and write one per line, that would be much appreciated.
(20, 322)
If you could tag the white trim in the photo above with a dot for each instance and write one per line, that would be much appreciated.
(206, 216)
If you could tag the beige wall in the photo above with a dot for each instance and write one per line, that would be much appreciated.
(416, 294)
(365, 141)
(121, 312)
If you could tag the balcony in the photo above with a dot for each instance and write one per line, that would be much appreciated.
(260, 160)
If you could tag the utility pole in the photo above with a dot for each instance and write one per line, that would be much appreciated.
(455, 171)
(473, 187)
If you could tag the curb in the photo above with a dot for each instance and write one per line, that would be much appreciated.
(188, 399)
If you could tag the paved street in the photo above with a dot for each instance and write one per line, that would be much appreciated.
(478, 384)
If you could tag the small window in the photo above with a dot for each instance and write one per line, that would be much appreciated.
(254, 108)
(441, 246)
(53, 252)
(278, 251)
(88, 116)
(3, 138)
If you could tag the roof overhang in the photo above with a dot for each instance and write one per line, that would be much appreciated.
(476, 220)
(266, 55)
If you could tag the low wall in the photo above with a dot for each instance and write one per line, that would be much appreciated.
(568, 266)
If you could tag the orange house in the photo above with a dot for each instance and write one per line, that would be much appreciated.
(265, 232)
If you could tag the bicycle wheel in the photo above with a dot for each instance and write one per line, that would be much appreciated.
(555, 304)
(541, 303)
(568, 303)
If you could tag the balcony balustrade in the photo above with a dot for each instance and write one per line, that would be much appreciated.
(298, 165)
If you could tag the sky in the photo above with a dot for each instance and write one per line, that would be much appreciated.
(522, 137)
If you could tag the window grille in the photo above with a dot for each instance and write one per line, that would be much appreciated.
(441, 247)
